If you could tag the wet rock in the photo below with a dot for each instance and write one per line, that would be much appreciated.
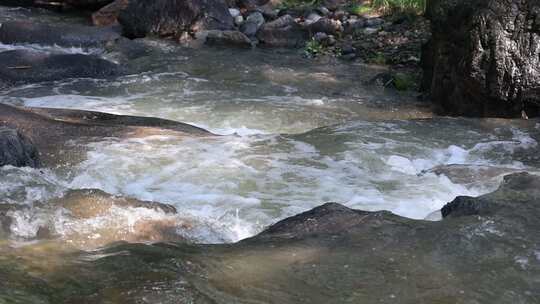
(108, 15)
(13, 32)
(282, 32)
(174, 18)
(228, 38)
(325, 25)
(92, 218)
(92, 203)
(334, 254)
(484, 57)
(469, 174)
(17, 150)
(249, 29)
(25, 66)
(256, 18)
(52, 130)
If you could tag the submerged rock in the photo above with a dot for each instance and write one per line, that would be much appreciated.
(92, 218)
(53, 131)
(17, 150)
(174, 18)
(26, 66)
(484, 57)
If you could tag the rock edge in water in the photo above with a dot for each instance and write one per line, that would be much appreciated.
(487, 253)
(52, 131)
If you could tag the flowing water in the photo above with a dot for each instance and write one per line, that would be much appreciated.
(294, 133)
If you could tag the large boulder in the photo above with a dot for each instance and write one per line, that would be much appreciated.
(484, 57)
(174, 18)
(17, 150)
(26, 66)
(108, 15)
(283, 32)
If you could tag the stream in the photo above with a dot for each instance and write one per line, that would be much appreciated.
(294, 133)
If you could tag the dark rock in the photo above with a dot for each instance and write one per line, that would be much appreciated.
(17, 150)
(174, 18)
(13, 32)
(325, 25)
(510, 195)
(25, 66)
(484, 57)
(108, 15)
(282, 32)
(228, 38)
(249, 28)
(353, 26)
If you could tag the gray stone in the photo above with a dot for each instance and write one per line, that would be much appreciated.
(257, 18)
(249, 29)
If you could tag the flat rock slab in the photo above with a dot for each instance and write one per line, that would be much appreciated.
(52, 130)
(25, 66)
(66, 35)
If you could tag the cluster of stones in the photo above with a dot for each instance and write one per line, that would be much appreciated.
(245, 23)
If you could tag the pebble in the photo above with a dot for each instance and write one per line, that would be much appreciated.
(234, 12)
(238, 20)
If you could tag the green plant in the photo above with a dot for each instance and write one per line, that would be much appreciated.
(417, 6)
(286, 4)
(377, 58)
(356, 9)
(313, 48)
(403, 82)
